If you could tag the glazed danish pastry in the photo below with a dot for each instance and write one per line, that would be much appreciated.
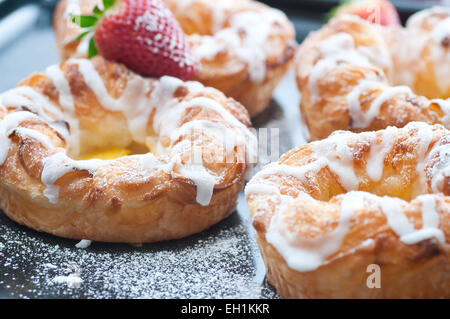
(244, 47)
(347, 73)
(189, 181)
(328, 211)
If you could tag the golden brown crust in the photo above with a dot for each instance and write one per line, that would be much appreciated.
(347, 276)
(339, 88)
(307, 193)
(120, 200)
(225, 71)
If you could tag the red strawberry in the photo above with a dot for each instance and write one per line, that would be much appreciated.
(142, 34)
(375, 11)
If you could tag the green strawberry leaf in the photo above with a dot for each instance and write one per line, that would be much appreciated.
(84, 21)
(92, 51)
(108, 4)
(81, 36)
(88, 23)
(97, 12)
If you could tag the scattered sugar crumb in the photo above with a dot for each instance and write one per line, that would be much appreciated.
(50, 266)
(72, 280)
(83, 244)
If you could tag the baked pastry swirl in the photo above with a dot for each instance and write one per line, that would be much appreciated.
(244, 47)
(328, 210)
(189, 181)
(354, 75)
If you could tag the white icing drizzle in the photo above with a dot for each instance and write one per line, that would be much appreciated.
(361, 119)
(66, 101)
(7, 125)
(441, 169)
(296, 171)
(339, 158)
(405, 54)
(136, 106)
(399, 223)
(339, 49)
(247, 36)
(175, 112)
(62, 86)
(25, 96)
(229, 138)
(96, 84)
(261, 189)
(29, 133)
(430, 220)
(378, 152)
(332, 152)
(422, 139)
(396, 220)
(307, 254)
(58, 165)
(203, 179)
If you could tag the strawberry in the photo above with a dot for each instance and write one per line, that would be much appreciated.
(375, 11)
(142, 34)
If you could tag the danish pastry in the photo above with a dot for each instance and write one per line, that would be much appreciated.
(189, 180)
(358, 76)
(330, 211)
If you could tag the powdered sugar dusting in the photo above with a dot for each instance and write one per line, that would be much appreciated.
(215, 264)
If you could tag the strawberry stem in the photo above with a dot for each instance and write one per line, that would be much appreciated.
(88, 23)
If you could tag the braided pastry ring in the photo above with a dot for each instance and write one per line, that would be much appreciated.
(54, 116)
(244, 47)
(323, 215)
(347, 69)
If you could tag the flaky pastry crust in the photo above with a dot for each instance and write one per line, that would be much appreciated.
(244, 47)
(328, 210)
